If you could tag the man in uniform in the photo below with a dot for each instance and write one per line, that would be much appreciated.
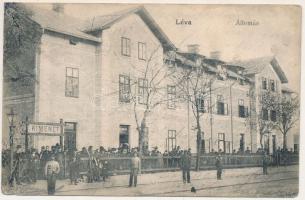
(135, 166)
(51, 170)
(218, 165)
(186, 166)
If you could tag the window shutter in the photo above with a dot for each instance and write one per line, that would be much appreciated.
(276, 86)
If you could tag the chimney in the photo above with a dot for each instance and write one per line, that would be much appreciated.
(193, 48)
(58, 7)
(215, 55)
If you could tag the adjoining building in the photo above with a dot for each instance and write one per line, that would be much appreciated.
(85, 71)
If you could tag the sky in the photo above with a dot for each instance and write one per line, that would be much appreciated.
(214, 28)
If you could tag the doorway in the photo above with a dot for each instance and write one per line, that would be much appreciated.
(70, 136)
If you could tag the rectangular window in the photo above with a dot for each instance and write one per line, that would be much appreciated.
(125, 46)
(141, 51)
(273, 115)
(171, 96)
(221, 142)
(222, 108)
(124, 135)
(264, 83)
(171, 139)
(272, 85)
(72, 82)
(265, 114)
(124, 88)
(142, 90)
(200, 104)
(241, 108)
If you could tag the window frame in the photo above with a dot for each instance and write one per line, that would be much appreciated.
(265, 113)
(128, 132)
(125, 50)
(171, 136)
(273, 115)
(143, 90)
(171, 92)
(73, 78)
(142, 55)
(124, 85)
(241, 106)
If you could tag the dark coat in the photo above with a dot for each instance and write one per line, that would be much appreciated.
(218, 163)
(185, 162)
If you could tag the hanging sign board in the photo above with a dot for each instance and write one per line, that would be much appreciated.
(43, 128)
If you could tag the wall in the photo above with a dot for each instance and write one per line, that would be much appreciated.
(56, 53)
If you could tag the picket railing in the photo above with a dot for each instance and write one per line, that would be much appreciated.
(150, 164)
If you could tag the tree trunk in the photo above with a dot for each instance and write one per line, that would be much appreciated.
(285, 141)
(198, 145)
(141, 134)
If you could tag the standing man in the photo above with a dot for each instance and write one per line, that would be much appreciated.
(135, 166)
(51, 170)
(186, 166)
(60, 158)
(265, 163)
(218, 165)
(16, 167)
(74, 170)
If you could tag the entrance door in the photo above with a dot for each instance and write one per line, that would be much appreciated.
(124, 135)
(70, 136)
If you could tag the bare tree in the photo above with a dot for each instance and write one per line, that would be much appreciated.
(287, 115)
(269, 102)
(194, 86)
(149, 90)
(21, 37)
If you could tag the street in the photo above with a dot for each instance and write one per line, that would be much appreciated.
(244, 182)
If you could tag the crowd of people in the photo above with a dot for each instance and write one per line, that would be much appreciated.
(91, 165)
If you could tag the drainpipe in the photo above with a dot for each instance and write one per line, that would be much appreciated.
(231, 115)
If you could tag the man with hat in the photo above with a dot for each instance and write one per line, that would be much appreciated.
(51, 171)
(185, 164)
(135, 166)
(218, 165)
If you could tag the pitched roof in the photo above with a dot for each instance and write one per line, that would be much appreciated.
(58, 22)
(106, 21)
(256, 65)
